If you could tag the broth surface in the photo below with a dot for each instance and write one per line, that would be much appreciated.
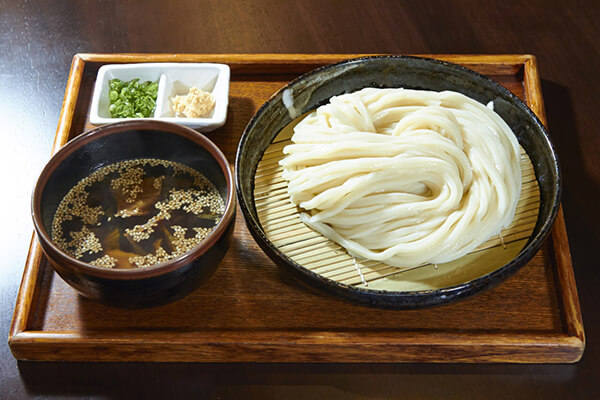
(136, 213)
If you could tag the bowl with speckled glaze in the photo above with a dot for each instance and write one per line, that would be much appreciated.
(417, 289)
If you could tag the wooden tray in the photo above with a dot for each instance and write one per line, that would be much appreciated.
(252, 311)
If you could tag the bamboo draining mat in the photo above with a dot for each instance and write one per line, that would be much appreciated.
(283, 227)
(252, 311)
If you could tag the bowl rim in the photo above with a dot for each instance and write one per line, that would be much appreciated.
(403, 299)
(116, 128)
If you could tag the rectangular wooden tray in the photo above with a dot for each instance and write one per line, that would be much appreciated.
(252, 311)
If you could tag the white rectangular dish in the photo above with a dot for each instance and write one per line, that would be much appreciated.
(173, 79)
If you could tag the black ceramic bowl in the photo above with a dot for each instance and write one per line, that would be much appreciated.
(109, 144)
(317, 87)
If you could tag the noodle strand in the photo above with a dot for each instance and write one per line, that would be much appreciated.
(403, 176)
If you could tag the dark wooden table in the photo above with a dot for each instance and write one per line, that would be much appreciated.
(38, 40)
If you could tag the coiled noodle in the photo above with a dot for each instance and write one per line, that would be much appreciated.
(402, 176)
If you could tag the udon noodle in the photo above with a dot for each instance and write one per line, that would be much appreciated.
(402, 176)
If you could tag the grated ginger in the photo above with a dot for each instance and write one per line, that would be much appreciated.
(196, 104)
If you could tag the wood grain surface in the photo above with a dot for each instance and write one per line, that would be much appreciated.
(269, 317)
(39, 40)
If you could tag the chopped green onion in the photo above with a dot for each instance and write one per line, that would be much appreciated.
(132, 99)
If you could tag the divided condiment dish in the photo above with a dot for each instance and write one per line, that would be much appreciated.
(173, 79)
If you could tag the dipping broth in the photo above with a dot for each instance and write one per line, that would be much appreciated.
(136, 213)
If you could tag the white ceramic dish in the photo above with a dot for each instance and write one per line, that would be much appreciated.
(173, 79)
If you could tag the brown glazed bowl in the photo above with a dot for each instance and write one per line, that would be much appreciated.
(109, 144)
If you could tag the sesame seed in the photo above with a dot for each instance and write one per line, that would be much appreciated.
(178, 195)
